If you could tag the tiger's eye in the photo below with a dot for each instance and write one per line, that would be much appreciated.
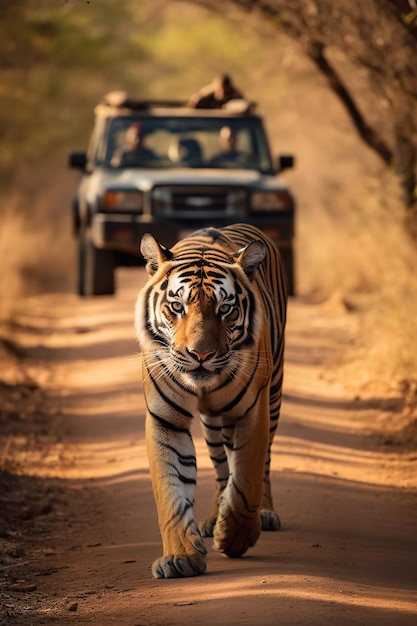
(176, 307)
(224, 309)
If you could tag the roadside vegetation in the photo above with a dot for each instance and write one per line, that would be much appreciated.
(355, 245)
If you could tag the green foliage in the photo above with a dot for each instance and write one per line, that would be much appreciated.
(58, 58)
(55, 59)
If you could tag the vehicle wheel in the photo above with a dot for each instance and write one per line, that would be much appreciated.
(95, 268)
(287, 256)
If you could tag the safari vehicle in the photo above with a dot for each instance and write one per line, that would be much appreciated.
(184, 186)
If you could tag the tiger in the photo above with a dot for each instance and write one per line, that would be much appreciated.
(210, 323)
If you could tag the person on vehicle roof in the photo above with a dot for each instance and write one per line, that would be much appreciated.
(133, 149)
(215, 95)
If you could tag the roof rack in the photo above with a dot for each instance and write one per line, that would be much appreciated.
(240, 105)
(122, 100)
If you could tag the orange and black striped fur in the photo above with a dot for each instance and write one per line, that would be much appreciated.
(210, 322)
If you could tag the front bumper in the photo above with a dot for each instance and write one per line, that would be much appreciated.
(124, 232)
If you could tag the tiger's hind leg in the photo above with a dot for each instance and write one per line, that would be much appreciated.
(269, 517)
(214, 440)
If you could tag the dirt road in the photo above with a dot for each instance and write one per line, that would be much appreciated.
(347, 553)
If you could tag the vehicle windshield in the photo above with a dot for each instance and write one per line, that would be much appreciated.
(162, 142)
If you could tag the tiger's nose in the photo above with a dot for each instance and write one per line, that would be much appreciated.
(201, 356)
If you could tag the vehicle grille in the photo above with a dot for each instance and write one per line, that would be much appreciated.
(199, 200)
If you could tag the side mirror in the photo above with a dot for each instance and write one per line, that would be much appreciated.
(285, 162)
(77, 159)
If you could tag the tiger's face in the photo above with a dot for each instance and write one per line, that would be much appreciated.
(200, 316)
(202, 322)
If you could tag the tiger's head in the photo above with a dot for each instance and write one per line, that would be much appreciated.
(198, 314)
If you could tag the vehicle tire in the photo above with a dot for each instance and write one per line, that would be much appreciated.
(287, 256)
(95, 268)
(76, 223)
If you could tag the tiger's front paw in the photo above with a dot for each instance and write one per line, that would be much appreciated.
(184, 553)
(234, 540)
(179, 566)
(270, 520)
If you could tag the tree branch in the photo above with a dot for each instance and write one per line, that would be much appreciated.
(315, 51)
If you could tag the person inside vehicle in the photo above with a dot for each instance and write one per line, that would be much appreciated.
(215, 95)
(133, 149)
(228, 152)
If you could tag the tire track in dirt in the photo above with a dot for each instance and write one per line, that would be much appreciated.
(347, 551)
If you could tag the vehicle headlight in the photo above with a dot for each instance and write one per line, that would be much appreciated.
(122, 200)
(271, 200)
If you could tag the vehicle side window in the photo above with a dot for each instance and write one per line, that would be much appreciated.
(96, 141)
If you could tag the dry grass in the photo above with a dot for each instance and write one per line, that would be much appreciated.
(390, 322)
(11, 281)
(36, 246)
(353, 243)
(367, 258)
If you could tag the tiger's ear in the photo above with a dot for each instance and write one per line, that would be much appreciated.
(251, 257)
(154, 253)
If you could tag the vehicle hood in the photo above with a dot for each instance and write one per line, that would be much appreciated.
(145, 179)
